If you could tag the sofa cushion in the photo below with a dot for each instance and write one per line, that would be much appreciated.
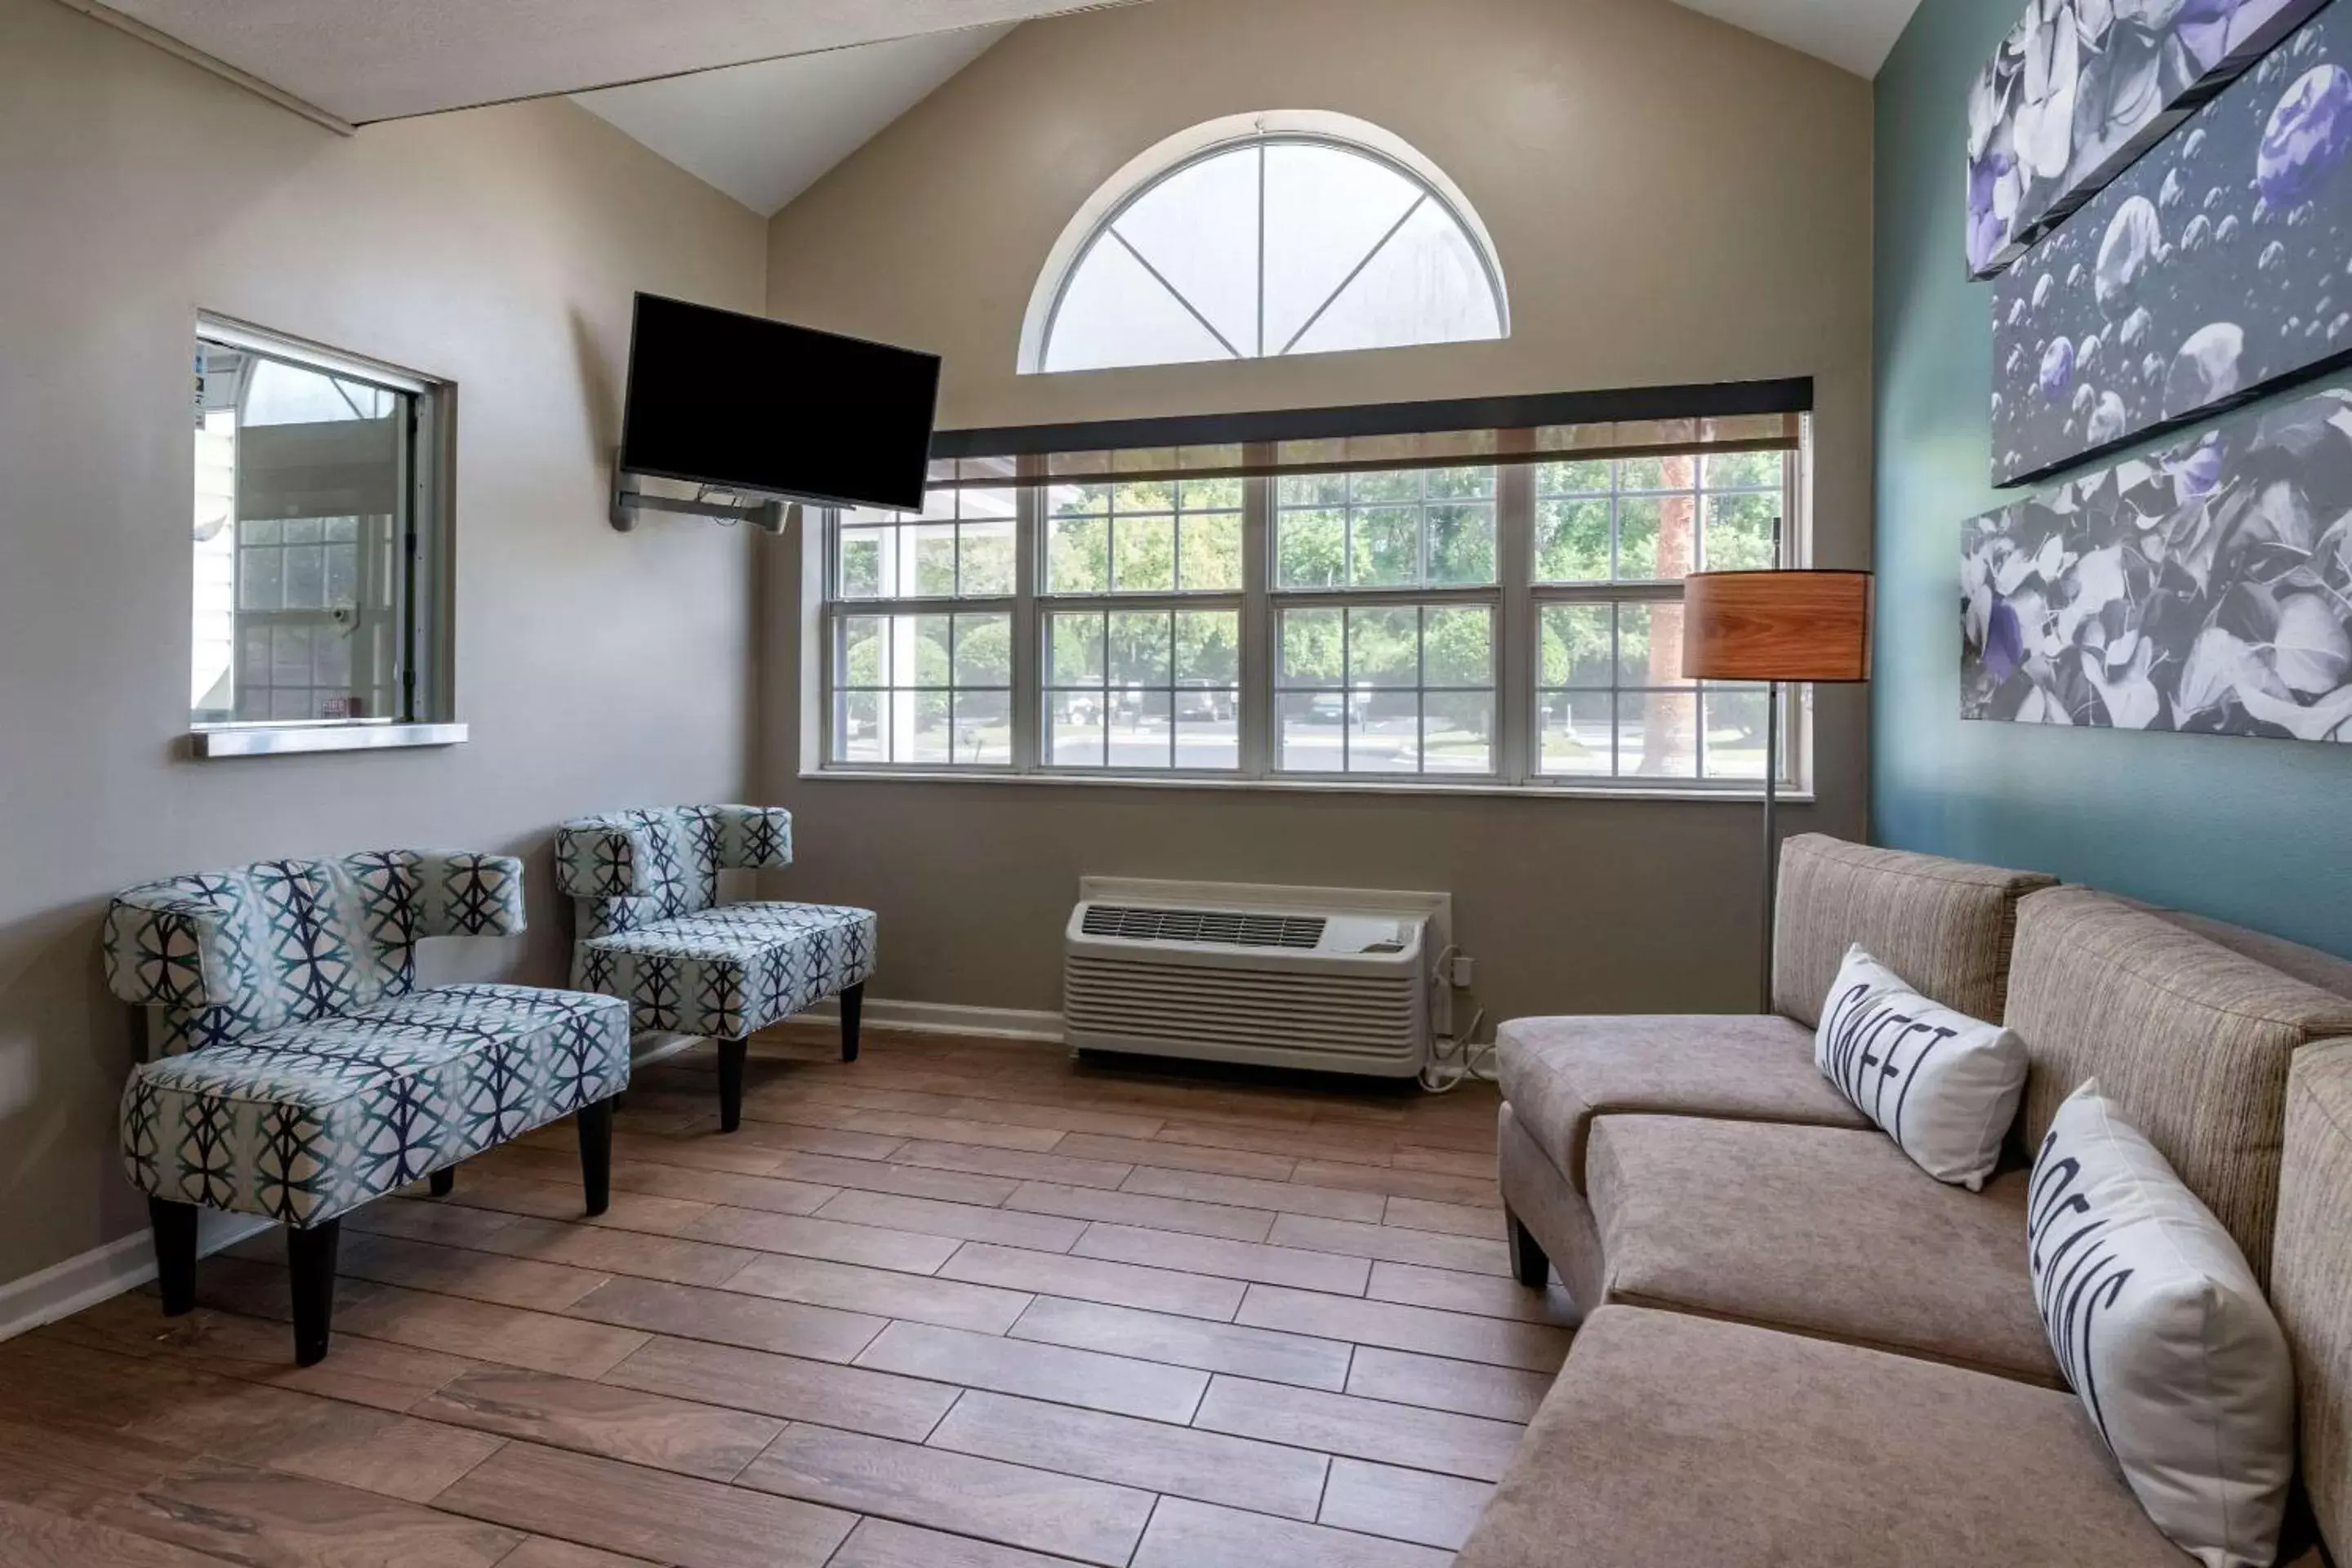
(2190, 1037)
(306, 1122)
(1674, 1439)
(2311, 1278)
(729, 971)
(1943, 925)
(1817, 1230)
(2307, 965)
(2159, 1326)
(1558, 1074)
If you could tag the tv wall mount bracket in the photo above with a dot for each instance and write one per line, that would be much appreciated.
(772, 515)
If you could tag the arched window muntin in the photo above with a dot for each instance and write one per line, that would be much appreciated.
(1097, 222)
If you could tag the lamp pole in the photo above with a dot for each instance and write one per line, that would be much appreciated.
(1800, 627)
(1771, 833)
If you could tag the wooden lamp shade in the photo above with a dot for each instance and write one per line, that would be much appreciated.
(1777, 625)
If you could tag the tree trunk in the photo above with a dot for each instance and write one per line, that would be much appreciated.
(1669, 724)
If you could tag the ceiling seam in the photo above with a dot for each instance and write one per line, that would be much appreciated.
(220, 68)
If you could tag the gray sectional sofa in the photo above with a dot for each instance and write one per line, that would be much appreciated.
(1800, 1348)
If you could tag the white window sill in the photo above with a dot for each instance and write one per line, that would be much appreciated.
(278, 740)
(1729, 795)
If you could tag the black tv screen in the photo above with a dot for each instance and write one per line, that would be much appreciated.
(745, 403)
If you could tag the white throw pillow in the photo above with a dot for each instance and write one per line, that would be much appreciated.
(1944, 1086)
(2159, 1326)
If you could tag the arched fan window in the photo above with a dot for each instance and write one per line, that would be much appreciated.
(1271, 235)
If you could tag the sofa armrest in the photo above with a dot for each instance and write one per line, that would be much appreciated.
(460, 893)
(166, 947)
(753, 837)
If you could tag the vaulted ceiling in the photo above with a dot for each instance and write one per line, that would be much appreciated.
(760, 98)
(362, 60)
(765, 132)
(1855, 33)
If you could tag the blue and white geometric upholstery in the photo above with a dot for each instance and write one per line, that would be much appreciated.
(296, 1072)
(224, 955)
(651, 929)
(726, 973)
(304, 1122)
(633, 868)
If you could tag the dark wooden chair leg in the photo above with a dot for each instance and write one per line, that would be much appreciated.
(1528, 1259)
(444, 1182)
(310, 1258)
(732, 1055)
(597, 1154)
(175, 1254)
(853, 1004)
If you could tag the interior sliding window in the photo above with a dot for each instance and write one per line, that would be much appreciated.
(319, 550)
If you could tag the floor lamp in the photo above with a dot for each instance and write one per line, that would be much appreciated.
(1776, 626)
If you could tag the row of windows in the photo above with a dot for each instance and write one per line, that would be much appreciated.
(1595, 521)
(1383, 599)
(1393, 689)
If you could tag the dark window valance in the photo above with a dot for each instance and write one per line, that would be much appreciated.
(1744, 416)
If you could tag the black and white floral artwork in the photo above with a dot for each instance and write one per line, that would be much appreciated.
(2080, 88)
(2204, 587)
(2215, 267)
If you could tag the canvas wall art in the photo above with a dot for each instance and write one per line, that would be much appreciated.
(2206, 587)
(2080, 88)
(2216, 266)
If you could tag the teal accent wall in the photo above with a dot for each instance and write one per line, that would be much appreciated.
(2258, 832)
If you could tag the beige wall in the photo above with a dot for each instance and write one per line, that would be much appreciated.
(1672, 201)
(498, 249)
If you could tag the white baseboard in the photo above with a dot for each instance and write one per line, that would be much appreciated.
(126, 1264)
(946, 1018)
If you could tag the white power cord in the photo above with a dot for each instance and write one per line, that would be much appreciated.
(1455, 1060)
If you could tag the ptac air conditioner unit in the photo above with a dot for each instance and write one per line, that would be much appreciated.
(1250, 977)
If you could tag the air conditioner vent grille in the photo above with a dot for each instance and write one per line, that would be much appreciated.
(1175, 1010)
(1219, 928)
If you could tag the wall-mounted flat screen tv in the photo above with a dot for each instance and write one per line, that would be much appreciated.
(743, 403)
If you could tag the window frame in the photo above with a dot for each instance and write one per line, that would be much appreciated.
(426, 636)
(1421, 601)
(1516, 601)
(1163, 162)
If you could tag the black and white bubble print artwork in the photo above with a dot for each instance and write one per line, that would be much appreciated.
(2219, 264)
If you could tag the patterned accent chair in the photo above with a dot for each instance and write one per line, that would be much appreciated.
(651, 929)
(295, 1071)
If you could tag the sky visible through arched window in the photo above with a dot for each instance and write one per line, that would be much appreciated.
(1278, 245)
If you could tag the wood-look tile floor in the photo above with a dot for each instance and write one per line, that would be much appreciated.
(962, 1304)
